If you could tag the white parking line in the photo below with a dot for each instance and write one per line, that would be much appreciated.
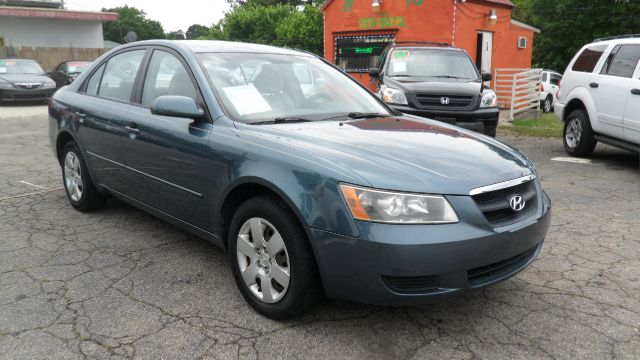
(34, 185)
(30, 194)
(572, 160)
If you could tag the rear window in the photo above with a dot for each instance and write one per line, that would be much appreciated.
(587, 61)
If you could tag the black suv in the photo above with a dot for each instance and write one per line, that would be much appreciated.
(435, 80)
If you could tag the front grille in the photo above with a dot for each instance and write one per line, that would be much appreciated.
(411, 285)
(496, 208)
(455, 102)
(28, 96)
(28, 86)
(488, 273)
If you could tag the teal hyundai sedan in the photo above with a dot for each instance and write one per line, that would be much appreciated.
(312, 184)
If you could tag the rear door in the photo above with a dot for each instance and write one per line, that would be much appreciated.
(102, 114)
(609, 90)
(167, 156)
(553, 85)
(631, 122)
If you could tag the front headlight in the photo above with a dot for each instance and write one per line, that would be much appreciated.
(393, 96)
(6, 85)
(48, 85)
(394, 207)
(489, 99)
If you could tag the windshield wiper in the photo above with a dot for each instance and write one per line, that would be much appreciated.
(283, 120)
(359, 115)
(447, 77)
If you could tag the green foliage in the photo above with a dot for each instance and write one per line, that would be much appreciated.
(279, 25)
(175, 35)
(131, 19)
(567, 25)
(197, 31)
(237, 3)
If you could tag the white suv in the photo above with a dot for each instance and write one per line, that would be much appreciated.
(548, 90)
(599, 98)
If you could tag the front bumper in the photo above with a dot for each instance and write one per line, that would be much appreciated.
(488, 116)
(412, 264)
(17, 94)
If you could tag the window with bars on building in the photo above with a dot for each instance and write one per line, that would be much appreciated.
(359, 53)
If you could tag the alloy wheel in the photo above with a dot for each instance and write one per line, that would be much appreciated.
(547, 105)
(73, 176)
(573, 132)
(263, 260)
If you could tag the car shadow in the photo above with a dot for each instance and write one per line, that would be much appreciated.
(615, 159)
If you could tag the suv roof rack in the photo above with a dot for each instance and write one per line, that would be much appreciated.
(433, 43)
(628, 36)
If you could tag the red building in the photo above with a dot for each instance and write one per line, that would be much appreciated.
(356, 31)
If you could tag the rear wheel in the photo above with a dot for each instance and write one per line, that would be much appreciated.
(547, 104)
(577, 135)
(271, 259)
(81, 191)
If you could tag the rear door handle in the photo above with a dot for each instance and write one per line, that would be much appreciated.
(594, 85)
(635, 91)
(132, 130)
(81, 114)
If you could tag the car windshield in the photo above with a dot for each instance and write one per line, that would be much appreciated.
(77, 66)
(262, 87)
(10, 66)
(434, 63)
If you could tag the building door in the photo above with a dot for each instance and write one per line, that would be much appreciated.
(484, 51)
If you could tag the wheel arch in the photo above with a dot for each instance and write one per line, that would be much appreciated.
(61, 140)
(581, 99)
(243, 190)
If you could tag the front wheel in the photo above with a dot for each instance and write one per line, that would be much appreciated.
(271, 259)
(577, 135)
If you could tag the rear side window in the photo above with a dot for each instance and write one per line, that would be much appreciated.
(624, 62)
(555, 79)
(587, 61)
(120, 74)
(94, 82)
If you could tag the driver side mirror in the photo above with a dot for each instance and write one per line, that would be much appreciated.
(374, 73)
(486, 77)
(176, 106)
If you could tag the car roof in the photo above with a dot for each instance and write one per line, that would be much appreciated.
(616, 41)
(217, 46)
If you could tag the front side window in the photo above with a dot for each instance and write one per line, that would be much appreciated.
(588, 59)
(358, 54)
(262, 87)
(431, 63)
(624, 61)
(166, 76)
(120, 75)
(11, 66)
(77, 67)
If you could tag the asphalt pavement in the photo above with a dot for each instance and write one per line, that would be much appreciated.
(119, 283)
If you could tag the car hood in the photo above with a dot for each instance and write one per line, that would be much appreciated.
(442, 86)
(406, 153)
(19, 78)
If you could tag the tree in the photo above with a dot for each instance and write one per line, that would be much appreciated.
(279, 25)
(569, 24)
(302, 30)
(196, 31)
(131, 19)
(237, 3)
(175, 35)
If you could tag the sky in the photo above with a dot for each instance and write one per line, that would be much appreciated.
(177, 16)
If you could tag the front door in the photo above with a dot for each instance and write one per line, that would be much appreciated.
(167, 156)
(484, 51)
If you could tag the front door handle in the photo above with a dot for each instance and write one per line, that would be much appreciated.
(132, 130)
(594, 85)
(635, 91)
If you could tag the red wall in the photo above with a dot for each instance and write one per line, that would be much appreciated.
(429, 20)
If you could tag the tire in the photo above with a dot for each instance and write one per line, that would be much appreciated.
(490, 130)
(81, 192)
(547, 104)
(259, 263)
(578, 136)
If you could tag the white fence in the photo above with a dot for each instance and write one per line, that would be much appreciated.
(518, 89)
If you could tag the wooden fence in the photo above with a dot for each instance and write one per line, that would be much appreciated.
(49, 58)
(518, 90)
